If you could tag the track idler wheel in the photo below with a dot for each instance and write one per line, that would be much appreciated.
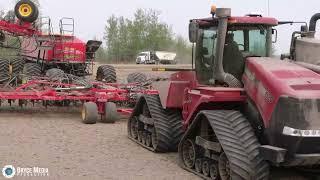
(224, 167)
(198, 165)
(89, 113)
(134, 128)
(189, 153)
(214, 171)
(206, 168)
(148, 140)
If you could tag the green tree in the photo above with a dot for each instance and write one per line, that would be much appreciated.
(145, 32)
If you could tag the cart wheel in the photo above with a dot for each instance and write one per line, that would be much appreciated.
(111, 114)
(26, 11)
(89, 113)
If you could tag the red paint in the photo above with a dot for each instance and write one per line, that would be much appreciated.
(280, 78)
(41, 90)
(240, 20)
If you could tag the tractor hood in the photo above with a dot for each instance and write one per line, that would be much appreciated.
(266, 80)
(288, 98)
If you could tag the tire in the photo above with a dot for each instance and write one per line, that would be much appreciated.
(107, 73)
(4, 70)
(137, 78)
(55, 74)
(30, 17)
(111, 114)
(89, 113)
(30, 70)
(16, 66)
(240, 145)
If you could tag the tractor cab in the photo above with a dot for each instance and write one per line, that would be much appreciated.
(223, 43)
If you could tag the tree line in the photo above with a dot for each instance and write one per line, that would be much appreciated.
(125, 38)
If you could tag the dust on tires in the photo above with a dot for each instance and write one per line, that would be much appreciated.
(107, 74)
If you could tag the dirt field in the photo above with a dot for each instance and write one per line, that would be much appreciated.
(56, 139)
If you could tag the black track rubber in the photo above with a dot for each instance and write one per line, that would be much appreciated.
(32, 69)
(4, 70)
(239, 143)
(107, 73)
(17, 66)
(55, 74)
(137, 78)
(175, 120)
(162, 125)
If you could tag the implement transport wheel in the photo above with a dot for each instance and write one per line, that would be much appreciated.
(111, 114)
(89, 113)
(137, 78)
(107, 74)
(189, 153)
(26, 11)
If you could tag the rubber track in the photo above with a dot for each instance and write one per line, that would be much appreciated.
(136, 78)
(175, 120)
(108, 73)
(239, 143)
(161, 124)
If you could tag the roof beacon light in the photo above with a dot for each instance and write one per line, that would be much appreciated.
(213, 10)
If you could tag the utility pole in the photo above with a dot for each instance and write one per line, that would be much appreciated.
(269, 8)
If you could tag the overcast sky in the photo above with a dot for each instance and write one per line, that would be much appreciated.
(90, 16)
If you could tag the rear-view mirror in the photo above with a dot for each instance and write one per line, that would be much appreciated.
(193, 31)
(274, 35)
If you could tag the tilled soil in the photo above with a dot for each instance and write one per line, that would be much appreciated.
(55, 138)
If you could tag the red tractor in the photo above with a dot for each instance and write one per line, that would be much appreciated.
(40, 49)
(238, 111)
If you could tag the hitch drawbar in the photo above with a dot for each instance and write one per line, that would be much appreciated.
(171, 69)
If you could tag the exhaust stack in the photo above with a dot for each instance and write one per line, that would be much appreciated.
(313, 22)
(219, 74)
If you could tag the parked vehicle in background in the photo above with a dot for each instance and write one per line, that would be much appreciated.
(156, 57)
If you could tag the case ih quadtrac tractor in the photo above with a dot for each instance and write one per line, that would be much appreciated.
(238, 112)
(40, 49)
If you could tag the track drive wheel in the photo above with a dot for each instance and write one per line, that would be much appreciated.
(107, 74)
(111, 114)
(89, 113)
(137, 78)
(26, 11)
